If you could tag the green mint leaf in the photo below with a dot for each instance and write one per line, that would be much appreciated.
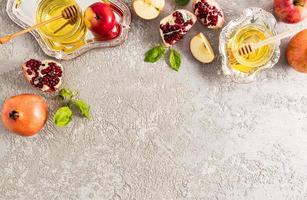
(66, 94)
(63, 116)
(83, 107)
(182, 2)
(154, 54)
(175, 60)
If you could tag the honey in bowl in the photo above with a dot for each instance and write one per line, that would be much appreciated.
(62, 34)
(248, 34)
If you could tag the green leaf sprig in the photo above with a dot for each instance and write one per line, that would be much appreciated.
(154, 54)
(174, 59)
(157, 52)
(182, 2)
(63, 116)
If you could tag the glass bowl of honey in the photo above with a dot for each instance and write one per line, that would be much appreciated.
(62, 34)
(67, 39)
(255, 25)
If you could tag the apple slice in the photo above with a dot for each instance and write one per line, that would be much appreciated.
(201, 49)
(148, 9)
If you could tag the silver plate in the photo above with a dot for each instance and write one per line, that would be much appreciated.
(22, 12)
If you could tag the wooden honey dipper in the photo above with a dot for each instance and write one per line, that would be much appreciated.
(231, 58)
(246, 49)
(67, 13)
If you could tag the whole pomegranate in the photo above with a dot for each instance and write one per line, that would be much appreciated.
(45, 75)
(209, 13)
(175, 26)
(24, 114)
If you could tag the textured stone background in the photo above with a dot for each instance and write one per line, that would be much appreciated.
(156, 133)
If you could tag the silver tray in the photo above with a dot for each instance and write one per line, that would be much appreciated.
(22, 12)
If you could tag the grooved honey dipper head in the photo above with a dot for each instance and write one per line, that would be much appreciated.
(70, 12)
(245, 49)
(232, 60)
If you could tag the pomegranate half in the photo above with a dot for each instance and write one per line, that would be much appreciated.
(209, 13)
(44, 75)
(24, 114)
(175, 26)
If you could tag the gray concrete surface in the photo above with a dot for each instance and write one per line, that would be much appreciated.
(158, 134)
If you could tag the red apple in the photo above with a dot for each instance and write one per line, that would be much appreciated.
(111, 34)
(291, 11)
(99, 18)
(297, 52)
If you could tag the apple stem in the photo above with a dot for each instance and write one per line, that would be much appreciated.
(97, 17)
(298, 3)
(14, 115)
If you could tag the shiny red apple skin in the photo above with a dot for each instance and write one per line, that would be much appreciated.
(99, 18)
(110, 35)
(290, 11)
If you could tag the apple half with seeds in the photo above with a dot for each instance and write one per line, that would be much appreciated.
(201, 49)
(148, 9)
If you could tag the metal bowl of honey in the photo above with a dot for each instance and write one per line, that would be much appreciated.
(253, 26)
